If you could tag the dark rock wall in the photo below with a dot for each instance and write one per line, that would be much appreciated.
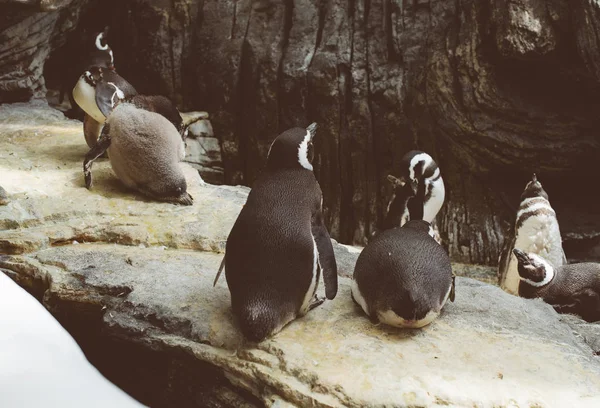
(492, 89)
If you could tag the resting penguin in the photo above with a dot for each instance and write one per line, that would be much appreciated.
(573, 288)
(279, 244)
(536, 231)
(403, 277)
(36, 349)
(421, 172)
(94, 93)
(144, 148)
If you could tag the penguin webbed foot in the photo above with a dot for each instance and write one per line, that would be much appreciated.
(98, 150)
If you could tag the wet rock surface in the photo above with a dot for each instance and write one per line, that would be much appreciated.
(135, 275)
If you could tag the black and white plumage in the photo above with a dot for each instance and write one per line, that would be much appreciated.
(279, 244)
(421, 173)
(403, 277)
(536, 231)
(97, 92)
(573, 289)
(36, 350)
(144, 148)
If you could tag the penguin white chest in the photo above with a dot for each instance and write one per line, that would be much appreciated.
(85, 96)
(312, 288)
(436, 200)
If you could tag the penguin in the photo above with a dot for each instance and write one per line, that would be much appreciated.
(536, 230)
(403, 277)
(36, 349)
(279, 244)
(573, 289)
(94, 93)
(422, 173)
(144, 147)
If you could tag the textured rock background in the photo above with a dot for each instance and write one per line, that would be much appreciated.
(132, 280)
(494, 90)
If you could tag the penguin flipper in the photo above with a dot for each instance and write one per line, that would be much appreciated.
(221, 267)
(586, 304)
(107, 97)
(98, 150)
(505, 255)
(326, 255)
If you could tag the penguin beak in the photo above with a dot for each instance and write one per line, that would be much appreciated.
(521, 256)
(312, 129)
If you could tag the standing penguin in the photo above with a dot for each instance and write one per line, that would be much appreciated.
(279, 243)
(422, 174)
(93, 52)
(144, 147)
(536, 231)
(95, 94)
(573, 288)
(403, 277)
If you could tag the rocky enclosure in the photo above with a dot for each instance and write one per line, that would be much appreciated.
(132, 280)
(493, 89)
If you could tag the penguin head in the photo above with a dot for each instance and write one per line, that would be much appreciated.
(292, 149)
(534, 189)
(533, 269)
(416, 166)
(104, 53)
(93, 76)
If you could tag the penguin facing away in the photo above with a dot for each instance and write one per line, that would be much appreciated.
(403, 278)
(536, 231)
(573, 289)
(423, 175)
(144, 150)
(279, 244)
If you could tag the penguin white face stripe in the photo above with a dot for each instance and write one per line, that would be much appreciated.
(112, 59)
(118, 93)
(537, 206)
(303, 152)
(548, 269)
(424, 157)
(99, 45)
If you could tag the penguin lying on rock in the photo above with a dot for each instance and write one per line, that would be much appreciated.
(279, 244)
(144, 147)
(573, 288)
(403, 277)
(536, 231)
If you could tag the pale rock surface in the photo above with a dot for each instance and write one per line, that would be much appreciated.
(143, 271)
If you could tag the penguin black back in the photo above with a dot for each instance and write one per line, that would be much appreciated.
(279, 243)
(403, 277)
